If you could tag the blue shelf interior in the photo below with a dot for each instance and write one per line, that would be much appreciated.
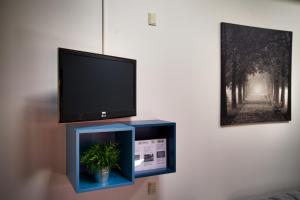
(124, 136)
(157, 129)
(116, 179)
(153, 172)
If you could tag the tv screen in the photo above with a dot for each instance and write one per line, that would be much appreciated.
(95, 86)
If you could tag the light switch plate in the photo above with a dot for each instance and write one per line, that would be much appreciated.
(152, 19)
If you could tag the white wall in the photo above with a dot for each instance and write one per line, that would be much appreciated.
(178, 80)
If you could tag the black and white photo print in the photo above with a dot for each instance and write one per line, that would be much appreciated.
(255, 75)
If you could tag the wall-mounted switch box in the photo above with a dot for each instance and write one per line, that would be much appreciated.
(151, 188)
(152, 19)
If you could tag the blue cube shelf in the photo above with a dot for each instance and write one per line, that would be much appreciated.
(157, 129)
(80, 138)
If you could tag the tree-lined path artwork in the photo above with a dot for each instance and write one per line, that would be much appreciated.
(255, 75)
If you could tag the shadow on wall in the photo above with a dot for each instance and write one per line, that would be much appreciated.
(138, 191)
(44, 138)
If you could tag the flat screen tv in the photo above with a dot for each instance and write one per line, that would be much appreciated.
(95, 86)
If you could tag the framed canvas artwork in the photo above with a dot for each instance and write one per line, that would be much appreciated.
(255, 75)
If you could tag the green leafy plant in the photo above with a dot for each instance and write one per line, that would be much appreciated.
(100, 156)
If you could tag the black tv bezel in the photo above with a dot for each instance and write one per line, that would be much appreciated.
(80, 117)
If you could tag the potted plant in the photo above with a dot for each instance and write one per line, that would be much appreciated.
(99, 159)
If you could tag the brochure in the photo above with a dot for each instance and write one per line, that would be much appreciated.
(150, 154)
